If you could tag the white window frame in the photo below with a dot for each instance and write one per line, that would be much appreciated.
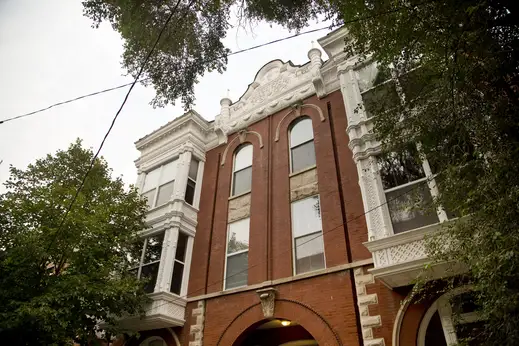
(294, 259)
(443, 307)
(158, 185)
(290, 147)
(144, 241)
(192, 180)
(175, 261)
(232, 194)
(227, 255)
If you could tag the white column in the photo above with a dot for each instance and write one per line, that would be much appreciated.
(351, 93)
(140, 180)
(167, 260)
(184, 160)
(374, 199)
(187, 266)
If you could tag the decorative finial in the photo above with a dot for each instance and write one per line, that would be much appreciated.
(228, 94)
(313, 44)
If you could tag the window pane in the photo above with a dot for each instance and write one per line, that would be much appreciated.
(193, 169)
(190, 192)
(176, 279)
(238, 236)
(149, 272)
(135, 253)
(301, 132)
(306, 216)
(242, 181)
(400, 168)
(237, 270)
(151, 180)
(181, 247)
(411, 207)
(309, 253)
(380, 99)
(165, 193)
(153, 248)
(149, 196)
(303, 156)
(243, 158)
(169, 172)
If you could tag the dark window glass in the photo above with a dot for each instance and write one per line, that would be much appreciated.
(242, 181)
(434, 335)
(303, 156)
(176, 279)
(237, 270)
(181, 247)
(400, 168)
(380, 99)
(149, 273)
(153, 248)
(190, 192)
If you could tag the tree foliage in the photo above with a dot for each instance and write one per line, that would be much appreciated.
(457, 67)
(57, 283)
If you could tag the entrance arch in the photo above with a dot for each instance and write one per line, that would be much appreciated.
(276, 332)
(297, 313)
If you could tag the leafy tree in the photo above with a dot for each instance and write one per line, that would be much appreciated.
(456, 63)
(57, 283)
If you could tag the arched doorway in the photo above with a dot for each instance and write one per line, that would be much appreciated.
(276, 332)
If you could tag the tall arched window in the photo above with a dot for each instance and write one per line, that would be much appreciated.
(302, 151)
(242, 170)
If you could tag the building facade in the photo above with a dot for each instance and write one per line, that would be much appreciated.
(279, 223)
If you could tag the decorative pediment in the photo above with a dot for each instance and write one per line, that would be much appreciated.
(277, 85)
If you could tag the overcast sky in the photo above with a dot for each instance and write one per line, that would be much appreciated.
(50, 53)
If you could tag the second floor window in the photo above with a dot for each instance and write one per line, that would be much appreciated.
(179, 264)
(159, 183)
(237, 257)
(147, 265)
(307, 232)
(302, 151)
(242, 170)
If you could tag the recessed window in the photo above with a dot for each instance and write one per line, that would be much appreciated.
(191, 182)
(302, 151)
(179, 264)
(147, 260)
(159, 183)
(242, 170)
(307, 232)
(237, 257)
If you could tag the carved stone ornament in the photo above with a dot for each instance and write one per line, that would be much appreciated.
(268, 300)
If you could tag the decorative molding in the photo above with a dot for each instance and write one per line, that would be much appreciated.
(297, 108)
(241, 137)
(268, 301)
(196, 331)
(363, 301)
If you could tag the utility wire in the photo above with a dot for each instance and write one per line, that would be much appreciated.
(418, 185)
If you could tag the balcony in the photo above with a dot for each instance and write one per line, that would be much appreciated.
(165, 310)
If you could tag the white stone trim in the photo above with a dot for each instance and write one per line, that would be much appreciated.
(197, 329)
(364, 299)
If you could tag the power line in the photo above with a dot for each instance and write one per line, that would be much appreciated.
(145, 79)
(418, 185)
(94, 158)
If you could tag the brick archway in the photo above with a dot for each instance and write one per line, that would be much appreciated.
(286, 309)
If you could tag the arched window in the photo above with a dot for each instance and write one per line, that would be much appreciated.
(242, 170)
(302, 151)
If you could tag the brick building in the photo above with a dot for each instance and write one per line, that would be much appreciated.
(278, 224)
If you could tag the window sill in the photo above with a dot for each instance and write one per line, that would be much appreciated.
(240, 195)
(302, 171)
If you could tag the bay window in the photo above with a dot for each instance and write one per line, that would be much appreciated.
(307, 235)
(179, 264)
(191, 182)
(147, 265)
(237, 257)
(159, 183)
